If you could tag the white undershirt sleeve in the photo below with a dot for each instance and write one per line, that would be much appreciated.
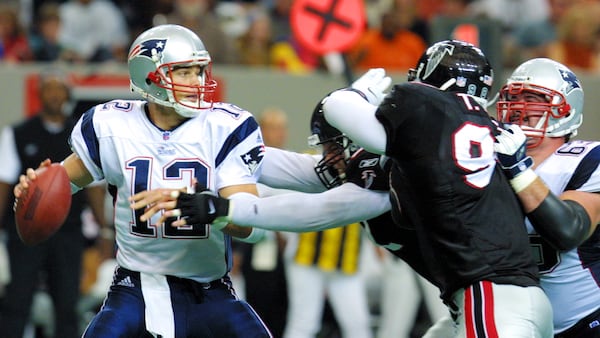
(302, 212)
(290, 170)
(353, 115)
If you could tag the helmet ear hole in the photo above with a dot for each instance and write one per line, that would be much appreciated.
(565, 110)
(152, 78)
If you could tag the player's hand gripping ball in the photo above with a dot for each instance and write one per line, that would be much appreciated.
(44, 205)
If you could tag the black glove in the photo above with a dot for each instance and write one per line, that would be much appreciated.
(203, 207)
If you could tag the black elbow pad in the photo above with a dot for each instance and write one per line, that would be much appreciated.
(563, 223)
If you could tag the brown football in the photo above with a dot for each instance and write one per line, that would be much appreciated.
(44, 206)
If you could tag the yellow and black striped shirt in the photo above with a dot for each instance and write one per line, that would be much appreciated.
(332, 249)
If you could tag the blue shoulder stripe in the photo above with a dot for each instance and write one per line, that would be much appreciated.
(235, 138)
(585, 169)
(89, 136)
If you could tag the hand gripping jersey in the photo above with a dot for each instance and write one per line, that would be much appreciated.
(220, 147)
(571, 279)
(445, 182)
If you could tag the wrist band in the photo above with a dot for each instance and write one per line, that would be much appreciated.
(523, 180)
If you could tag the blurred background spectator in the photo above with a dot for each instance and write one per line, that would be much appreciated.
(255, 45)
(532, 39)
(408, 18)
(511, 13)
(200, 17)
(578, 37)
(14, 44)
(93, 31)
(43, 39)
(390, 46)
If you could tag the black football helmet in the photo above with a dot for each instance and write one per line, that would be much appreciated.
(336, 146)
(455, 66)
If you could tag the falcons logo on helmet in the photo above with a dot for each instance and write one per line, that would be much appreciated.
(148, 48)
(441, 49)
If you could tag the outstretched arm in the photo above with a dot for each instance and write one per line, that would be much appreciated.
(352, 110)
(564, 221)
(293, 211)
(285, 169)
(302, 212)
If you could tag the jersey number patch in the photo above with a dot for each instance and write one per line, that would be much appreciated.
(473, 151)
(174, 171)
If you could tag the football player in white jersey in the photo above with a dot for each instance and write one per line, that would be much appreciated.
(545, 99)
(170, 282)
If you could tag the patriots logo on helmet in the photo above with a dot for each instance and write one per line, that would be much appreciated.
(571, 79)
(253, 157)
(148, 48)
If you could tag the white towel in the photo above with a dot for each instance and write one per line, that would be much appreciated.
(159, 310)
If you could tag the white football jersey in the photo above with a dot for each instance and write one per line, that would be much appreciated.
(571, 279)
(219, 148)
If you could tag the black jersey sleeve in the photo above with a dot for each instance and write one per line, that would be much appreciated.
(366, 170)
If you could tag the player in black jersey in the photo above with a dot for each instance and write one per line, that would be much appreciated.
(445, 182)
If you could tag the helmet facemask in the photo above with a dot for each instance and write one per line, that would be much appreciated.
(552, 112)
(545, 89)
(334, 150)
(199, 96)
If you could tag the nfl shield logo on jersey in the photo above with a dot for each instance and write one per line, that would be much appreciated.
(253, 158)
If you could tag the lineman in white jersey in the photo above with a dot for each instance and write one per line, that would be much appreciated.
(545, 99)
(170, 282)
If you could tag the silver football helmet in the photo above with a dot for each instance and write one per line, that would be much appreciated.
(561, 113)
(156, 53)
